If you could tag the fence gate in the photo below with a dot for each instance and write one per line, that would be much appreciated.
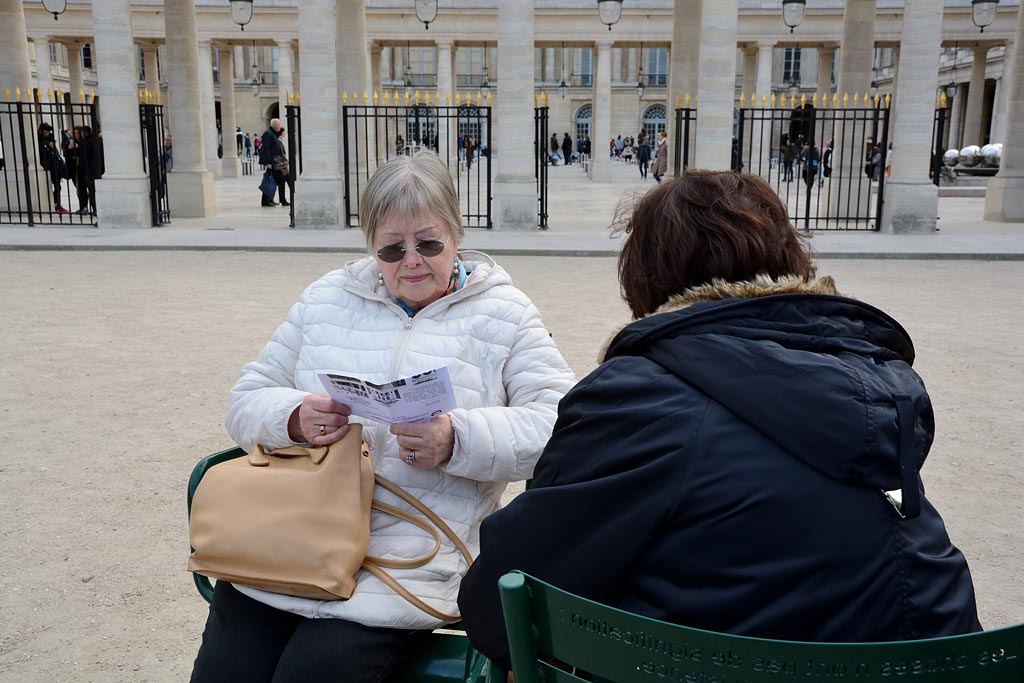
(44, 184)
(684, 142)
(374, 134)
(293, 130)
(818, 161)
(541, 161)
(154, 161)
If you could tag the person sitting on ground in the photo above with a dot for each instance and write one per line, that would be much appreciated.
(414, 304)
(745, 459)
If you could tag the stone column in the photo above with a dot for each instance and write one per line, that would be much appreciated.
(1004, 200)
(15, 72)
(616, 65)
(376, 84)
(717, 73)
(749, 72)
(122, 195)
(856, 57)
(285, 82)
(231, 165)
(975, 97)
(386, 62)
(633, 70)
(600, 163)
(445, 83)
(515, 190)
(75, 77)
(765, 59)
(149, 64)
(955, 114)
(353, 76)
(858, 52)
(911, 200)
(318, 201)
(826, 56)
(398, 62)
(684, 56)
(998, 113)
(190, 184)
(209, 110)
(44, 70)
(549, 65)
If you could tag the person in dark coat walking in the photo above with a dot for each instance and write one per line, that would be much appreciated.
(90, 169)
(51, 162)
(271, 156)
(746, 458)
(567, 148)
(643, 154)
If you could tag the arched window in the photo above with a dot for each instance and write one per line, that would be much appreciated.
(584, 117)
(655, 121)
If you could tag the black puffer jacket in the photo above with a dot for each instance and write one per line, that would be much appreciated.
(724, 468)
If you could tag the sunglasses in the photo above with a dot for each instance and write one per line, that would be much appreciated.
(393, 253)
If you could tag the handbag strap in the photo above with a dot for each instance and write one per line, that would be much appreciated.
(373, 564)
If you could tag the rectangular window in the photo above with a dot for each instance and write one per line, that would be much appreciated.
(791, 65)
(54, 53)
(140, 59)
(656, 68)
(215, 58)
(469, 67)
(423, 61)
(87, 56)
(585, 77)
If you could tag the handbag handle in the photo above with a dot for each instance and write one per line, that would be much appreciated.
(373, 564)
(258, 457)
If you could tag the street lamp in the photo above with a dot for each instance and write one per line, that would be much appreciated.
(610, 12)
(55, 7)
(641, 88)
(241, 12)
(408, 72)
(873, 89)
(952, 87)
(793, 13)
(983, 13)
(794, 87)
(563, 87)
(426, 11)
(485, 82)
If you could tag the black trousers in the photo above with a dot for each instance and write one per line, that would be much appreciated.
(246, 640)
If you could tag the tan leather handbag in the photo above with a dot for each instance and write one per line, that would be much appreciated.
(297, 521)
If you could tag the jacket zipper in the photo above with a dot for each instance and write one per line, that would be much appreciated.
(382, 430)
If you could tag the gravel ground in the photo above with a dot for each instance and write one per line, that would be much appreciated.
(115, 369)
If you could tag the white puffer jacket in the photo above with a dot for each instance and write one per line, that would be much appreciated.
(508, 378)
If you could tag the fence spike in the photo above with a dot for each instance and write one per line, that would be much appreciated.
(17, 94)
(679, 102)
(448, 99)
(888, 100)
(764, 101)
(458, 99)
(366, 98)
(344, 97)
(544, 97)
(92, 96)
(387, 98)
(479, 98)
(60, 95)
(878, 100)
(743, 100)
(407, 99)
(427, 98)
(687, 100)
(376, 100)
(867, 99)
(49, 94)
(856, 100)
(814, 100)
(81, 96)
(488, 98)
(846, 100)
(792, 101)
(803, 100)
(772, 101)
(416, 97)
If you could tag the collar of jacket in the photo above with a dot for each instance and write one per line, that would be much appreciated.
(718, 290)
(364, 279)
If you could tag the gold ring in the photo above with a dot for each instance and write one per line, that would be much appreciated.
(323, 430)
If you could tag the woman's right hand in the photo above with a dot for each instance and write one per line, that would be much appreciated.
(319, 420)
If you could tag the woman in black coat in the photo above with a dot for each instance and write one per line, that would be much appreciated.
(51, 162)
(746, 458)
(90, 169)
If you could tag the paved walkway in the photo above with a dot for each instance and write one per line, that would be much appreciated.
(579, 214)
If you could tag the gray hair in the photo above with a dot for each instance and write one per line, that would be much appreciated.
(408, 185)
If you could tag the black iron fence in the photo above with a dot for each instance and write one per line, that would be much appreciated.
(822, 162)
(155, 161)
(541, 163)
(938, 144)
(460, 135)
(684, 139)
(50, 158)
(293, 115)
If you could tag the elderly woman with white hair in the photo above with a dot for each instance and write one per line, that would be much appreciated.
(416, 303)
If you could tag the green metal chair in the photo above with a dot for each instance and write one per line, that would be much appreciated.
(555, 636)
(444, 658)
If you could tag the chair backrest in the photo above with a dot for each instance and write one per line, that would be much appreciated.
(545, 623)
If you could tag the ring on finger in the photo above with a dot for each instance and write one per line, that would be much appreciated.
(410, 457)
(323, 430)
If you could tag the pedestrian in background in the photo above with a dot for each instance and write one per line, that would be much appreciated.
(643, 155)
(567, 148)
(660, 167)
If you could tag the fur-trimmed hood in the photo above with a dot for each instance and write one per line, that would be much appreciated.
(816, 372)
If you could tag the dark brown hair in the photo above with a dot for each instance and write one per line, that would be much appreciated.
(702, 226)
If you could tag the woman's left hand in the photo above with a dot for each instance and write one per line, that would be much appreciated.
(426, 444)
